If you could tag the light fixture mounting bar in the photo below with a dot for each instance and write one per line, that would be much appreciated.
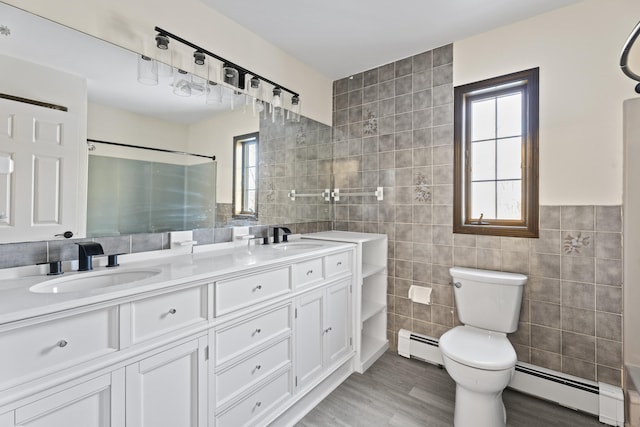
(240, 69)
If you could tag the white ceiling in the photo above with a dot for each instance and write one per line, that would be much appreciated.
(344, 37)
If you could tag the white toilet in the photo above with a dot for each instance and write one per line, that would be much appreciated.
(478, 356)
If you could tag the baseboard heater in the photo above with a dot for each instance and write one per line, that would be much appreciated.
(597, 398)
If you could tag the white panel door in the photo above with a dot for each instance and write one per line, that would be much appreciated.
(39, 199)
(169, 389)
(309, 337)
(337, 322)
(96, 403)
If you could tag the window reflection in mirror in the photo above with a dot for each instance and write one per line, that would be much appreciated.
(245, 176)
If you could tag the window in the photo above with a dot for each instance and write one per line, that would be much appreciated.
(496, 156)
(245, 176)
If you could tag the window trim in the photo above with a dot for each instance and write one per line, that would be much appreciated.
(528, 227)
(240, 139)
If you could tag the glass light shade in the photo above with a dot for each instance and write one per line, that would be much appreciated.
(181, 83)
(198, 85)
(230, 76)
(276, 101)
(147, 71)
(214, 93)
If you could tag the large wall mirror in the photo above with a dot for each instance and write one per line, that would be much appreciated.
(294, 154)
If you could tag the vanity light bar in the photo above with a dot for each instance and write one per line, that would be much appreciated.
(241, 70)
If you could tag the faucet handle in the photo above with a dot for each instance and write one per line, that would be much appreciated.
(55, 268)
(112, 260)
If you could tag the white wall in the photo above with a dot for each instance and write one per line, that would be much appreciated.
(214, 137)
(106, 123)
(581, 92)
(131, 24)
(632, 233)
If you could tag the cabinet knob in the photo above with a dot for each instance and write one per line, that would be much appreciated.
(257, 331)
(173, 311)
(257, 288)
(258, 404)
(62, 343)
(339, 263)
(310, 272)
(258, 367)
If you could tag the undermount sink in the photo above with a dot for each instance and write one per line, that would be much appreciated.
(289, 246)
(92, 280)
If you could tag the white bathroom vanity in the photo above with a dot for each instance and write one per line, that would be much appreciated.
(233, 336)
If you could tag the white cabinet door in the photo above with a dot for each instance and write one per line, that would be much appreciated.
(337, 322)
(41, 197)
(323, 331)
(309, 359)
(96, 403)
(169, 388)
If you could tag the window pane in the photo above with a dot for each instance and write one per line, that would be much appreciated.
(483, 119)
(510, 115)
(483, 200)
(510, 158)
(510, 199)
(483, 160)
(251, 153)
(251, 201)
(250, 179)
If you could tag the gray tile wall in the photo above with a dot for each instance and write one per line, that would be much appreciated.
(393, 127)
(294, 156)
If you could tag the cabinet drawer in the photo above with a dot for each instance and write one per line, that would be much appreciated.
(307, 273)
(36, 350)
(338, 264)
(160, 314)
(248, 372)
(239, 338)
(247, 290)
(257, 405)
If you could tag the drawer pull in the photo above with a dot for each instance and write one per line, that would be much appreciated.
(258, 404)
(257, 288)
(339, 263)
(258, 367)
(326, 331)
(62, 343)
(173, 311)
(257, 331)
(310, 272)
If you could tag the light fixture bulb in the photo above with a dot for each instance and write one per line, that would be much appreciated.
(162, 42)
(276, 101)
(198, 57)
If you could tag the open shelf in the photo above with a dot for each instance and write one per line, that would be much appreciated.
(370, 309)
(371, 349)
(371, 269)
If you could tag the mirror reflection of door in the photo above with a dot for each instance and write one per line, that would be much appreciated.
(245, 176)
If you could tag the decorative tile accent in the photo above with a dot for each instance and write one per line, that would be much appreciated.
(370, 125)
(573, 244)
(422, 191)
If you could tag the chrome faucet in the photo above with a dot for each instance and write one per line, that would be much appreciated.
(86, 251)
(276, 235)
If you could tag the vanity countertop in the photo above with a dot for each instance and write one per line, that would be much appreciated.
(17, 302)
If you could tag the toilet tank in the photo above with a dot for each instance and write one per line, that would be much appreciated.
(488, 299)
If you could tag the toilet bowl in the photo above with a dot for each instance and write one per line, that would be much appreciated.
(478, 356)
(481, 363)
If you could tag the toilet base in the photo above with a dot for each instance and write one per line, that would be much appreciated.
(473, 409)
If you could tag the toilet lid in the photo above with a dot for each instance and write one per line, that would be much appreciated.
(478, 348)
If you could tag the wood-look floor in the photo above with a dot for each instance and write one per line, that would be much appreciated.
(402, 392)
